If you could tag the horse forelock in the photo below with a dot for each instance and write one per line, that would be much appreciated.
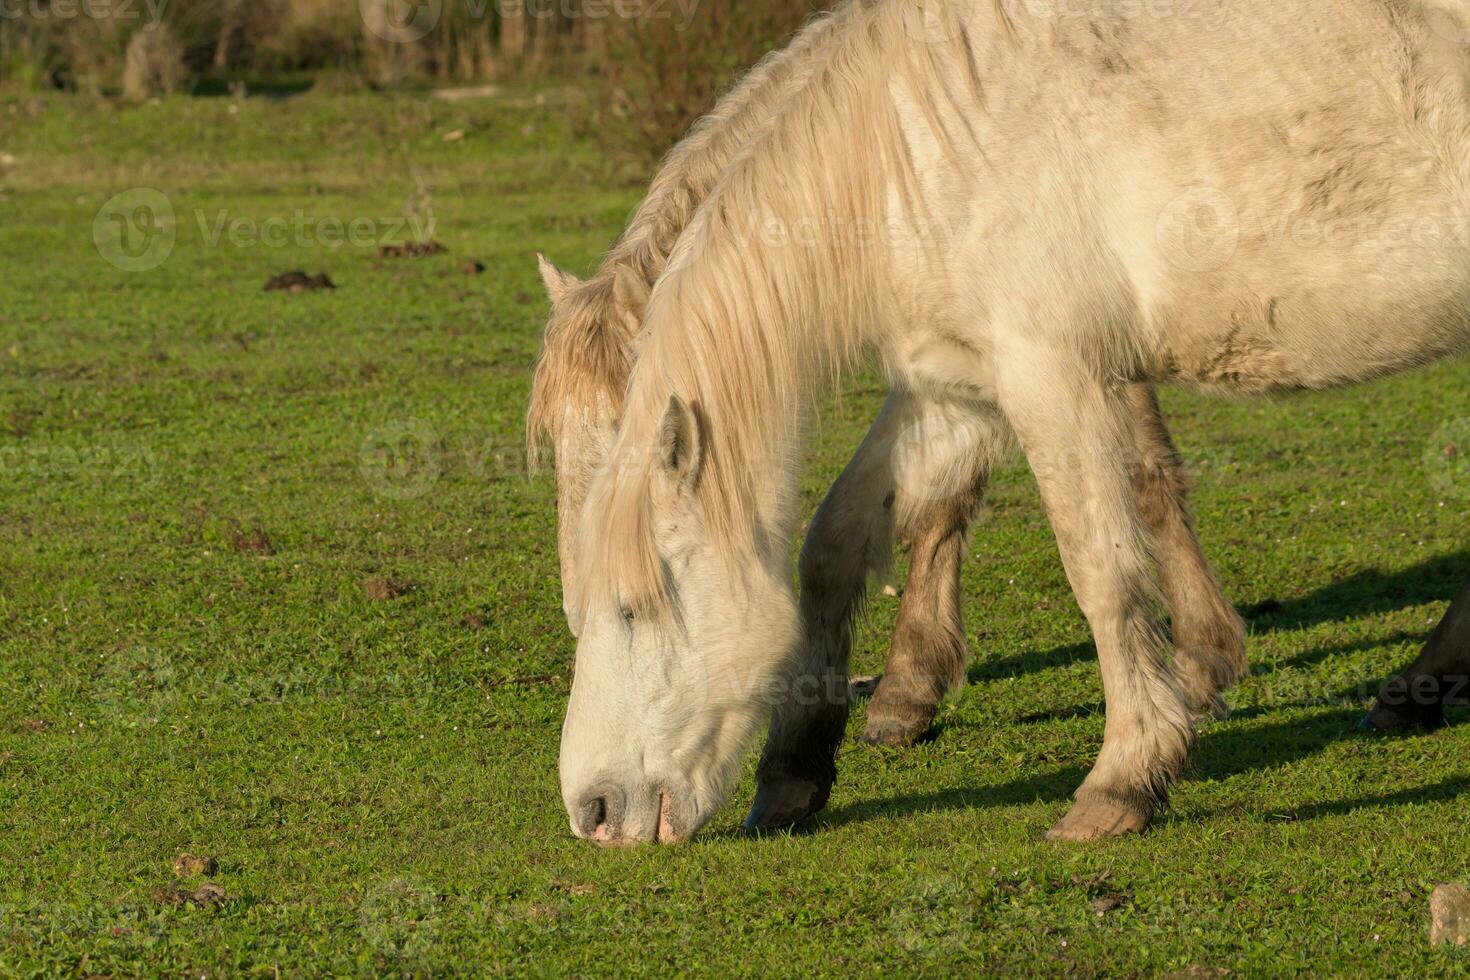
(584, 365)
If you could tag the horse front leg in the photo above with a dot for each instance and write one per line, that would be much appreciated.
(1077, 432)
(850, 539)
(1209, 635)
(1440, 677)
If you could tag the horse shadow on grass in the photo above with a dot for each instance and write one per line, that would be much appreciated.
(1222, 752)
(1366, 593)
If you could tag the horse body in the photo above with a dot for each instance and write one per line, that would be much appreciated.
(1070, 159)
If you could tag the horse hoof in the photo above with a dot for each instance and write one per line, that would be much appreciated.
(782, 804)
(863, 687)
(1385, 719)
(1215, 709)
(893, 734)
(1092, 820)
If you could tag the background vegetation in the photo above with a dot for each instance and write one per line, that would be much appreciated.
(648, 67)
(276, 591)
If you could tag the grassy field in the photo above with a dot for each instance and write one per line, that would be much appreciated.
(277, 590)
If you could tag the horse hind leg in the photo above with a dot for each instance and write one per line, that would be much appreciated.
(942, 463)
(1209, 635)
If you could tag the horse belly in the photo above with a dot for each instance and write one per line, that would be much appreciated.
(1319, 322)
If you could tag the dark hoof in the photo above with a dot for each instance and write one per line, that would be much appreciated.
(783, 804)
(863, 687)
(1386, 719)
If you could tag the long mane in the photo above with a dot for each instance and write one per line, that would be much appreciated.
(587, 353)
(743, 322)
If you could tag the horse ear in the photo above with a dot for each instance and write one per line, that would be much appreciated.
(680, 446)
(558, 283)
(630, 292)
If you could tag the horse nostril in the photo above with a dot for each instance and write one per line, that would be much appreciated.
(594, 818)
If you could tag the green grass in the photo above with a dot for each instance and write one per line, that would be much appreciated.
(377, 779)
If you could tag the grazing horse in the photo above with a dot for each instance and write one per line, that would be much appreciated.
(920, 475)
(1020, 211)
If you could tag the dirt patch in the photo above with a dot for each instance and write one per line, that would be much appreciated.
(383, 589)
(472, 267)
(32, 726)
(1450, 911)
(474, 621)
(252, 542)
(299, 282)
(192, 866)
(207, 895)
(411, 250)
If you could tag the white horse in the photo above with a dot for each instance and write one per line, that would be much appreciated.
(1020, 212)
(920, 476)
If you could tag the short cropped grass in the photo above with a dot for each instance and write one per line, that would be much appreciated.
(276, 589)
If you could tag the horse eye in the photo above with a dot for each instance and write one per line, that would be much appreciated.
(627, 615)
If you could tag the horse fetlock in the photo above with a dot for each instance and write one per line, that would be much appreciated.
(1209, 659)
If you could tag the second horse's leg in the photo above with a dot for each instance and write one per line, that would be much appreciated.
(1441, 676)
(1209, 635)
(942, 463)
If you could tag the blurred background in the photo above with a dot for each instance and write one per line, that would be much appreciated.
(670, 58)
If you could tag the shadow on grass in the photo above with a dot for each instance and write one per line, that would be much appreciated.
(1223, 751)
(1364, 594)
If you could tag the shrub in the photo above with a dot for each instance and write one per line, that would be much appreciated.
(661, 74)
(154, 64)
